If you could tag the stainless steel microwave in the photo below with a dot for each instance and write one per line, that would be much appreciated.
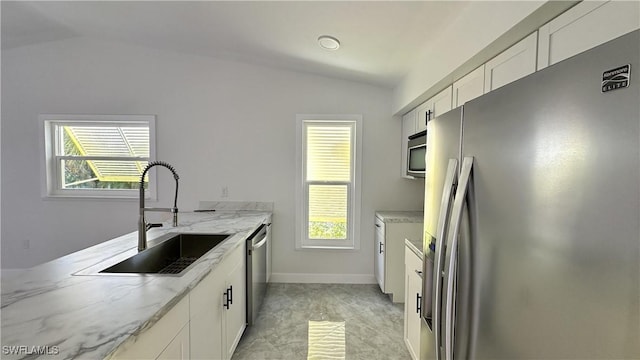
(416, 154)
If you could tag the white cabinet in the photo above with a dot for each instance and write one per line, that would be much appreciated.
(423, 113)
(440, 103)
(512, 64)
(207, 300)
(218, 311)
(379, 259)
(178, 348)
(235, 313)
(586, 25)
(468, 87)
(163, 338)
(413, 296)
(415, 121)
(408, 129)
(389, 255)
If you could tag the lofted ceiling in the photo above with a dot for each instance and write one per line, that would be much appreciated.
(380, 40)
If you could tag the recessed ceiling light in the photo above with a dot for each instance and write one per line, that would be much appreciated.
(328, 42)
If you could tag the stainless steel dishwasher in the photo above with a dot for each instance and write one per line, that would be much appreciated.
(256, 271)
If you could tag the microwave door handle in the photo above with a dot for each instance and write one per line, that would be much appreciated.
(450, 265)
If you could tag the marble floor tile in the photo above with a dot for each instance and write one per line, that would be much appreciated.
(373, 324)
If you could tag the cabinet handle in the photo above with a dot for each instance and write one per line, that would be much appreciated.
(381, 248)
(418, 302)
(377, 225)
(226, 299)
(230, 294)
(428, 116)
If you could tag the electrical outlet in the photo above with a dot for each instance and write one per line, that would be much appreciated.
(225, 192)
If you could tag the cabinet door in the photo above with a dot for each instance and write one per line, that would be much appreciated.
(469, 87)
(512, 64)
(235, 313)
(441, 103)
(206, 316)
(421, 115)
(413, 293)
(408, 128)
(586, 25)
(178, 348)
(379, 254)
(150, 343)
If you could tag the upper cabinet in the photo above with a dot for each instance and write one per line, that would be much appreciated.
(441, 103)
(469, 87)
(512, 64)
(584, 26)
(415, 121)
(408, 129)
(423, 112)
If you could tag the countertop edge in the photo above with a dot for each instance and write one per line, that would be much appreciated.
(411, 246)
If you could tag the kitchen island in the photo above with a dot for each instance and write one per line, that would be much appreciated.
(48, 310)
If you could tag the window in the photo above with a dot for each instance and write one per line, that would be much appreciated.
(328, 186)
(97, 155)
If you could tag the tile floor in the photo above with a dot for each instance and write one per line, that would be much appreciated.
(373, 325)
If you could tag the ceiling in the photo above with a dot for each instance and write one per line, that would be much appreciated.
(380, 41)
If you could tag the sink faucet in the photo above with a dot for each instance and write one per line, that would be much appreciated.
(143, 226)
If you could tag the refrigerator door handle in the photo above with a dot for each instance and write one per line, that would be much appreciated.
(436, 290)
(450, 264)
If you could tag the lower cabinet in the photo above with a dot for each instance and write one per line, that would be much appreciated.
(235, 314)
(413, 295)
(218, 313)
(207, 301)
(166, 338)
(389, 253)
(206, 324)
(178, 348)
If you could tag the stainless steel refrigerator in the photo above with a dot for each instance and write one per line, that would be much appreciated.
(532, 212)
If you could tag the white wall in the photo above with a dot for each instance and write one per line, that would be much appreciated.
(477, 26)
(219, 123)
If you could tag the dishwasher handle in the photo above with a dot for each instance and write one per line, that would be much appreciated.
(259, 245)
(260, 235)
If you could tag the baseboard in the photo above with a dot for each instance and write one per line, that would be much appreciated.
(323, 278)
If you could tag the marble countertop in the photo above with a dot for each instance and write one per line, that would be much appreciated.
(400, 216)
(90, 316)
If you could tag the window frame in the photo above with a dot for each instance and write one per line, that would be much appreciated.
(354, 188)
(51, 186)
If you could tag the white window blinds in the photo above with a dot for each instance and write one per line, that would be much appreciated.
(328, 182)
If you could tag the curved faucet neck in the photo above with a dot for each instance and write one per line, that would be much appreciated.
(142, 223)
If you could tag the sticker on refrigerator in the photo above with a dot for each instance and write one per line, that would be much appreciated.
(617, 78)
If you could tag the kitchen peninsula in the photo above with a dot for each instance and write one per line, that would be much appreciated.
(49, 309)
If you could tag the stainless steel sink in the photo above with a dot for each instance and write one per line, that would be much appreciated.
(172, 256)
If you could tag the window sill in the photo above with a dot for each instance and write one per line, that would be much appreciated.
(326, 247)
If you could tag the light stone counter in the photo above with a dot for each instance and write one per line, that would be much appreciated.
(89, 317)
(415, 246)
(400, 216)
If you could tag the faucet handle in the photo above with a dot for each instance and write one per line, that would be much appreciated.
(149, 226)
